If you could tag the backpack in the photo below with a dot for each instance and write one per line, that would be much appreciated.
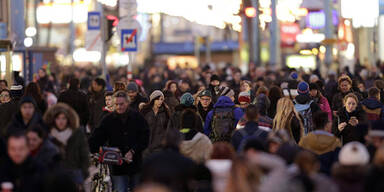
(222, 124)
(305, 112)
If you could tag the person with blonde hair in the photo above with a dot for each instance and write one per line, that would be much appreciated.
(288, 119)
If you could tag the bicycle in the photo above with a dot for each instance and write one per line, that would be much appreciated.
(101, 181)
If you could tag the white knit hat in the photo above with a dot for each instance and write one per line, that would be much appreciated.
(155, 94)
(354, 153)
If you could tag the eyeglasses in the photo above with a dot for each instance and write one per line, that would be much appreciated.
(4, 95)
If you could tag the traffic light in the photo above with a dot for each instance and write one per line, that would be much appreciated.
(112, 22)
(250, 12)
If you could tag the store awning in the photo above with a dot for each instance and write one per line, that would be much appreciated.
(188, 47)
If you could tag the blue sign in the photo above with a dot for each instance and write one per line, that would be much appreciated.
(94, 20)
(129, 40)
(3, 31)
(381, 7)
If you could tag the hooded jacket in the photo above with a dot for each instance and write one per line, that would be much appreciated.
(176, 121)
(222, 102)
(373, 108)
(78, 101)
(302, 100)
(199, 148)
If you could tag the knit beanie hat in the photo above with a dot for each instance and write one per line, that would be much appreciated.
(27, 99)
(354, 153)
(227, 92)
(155, 94)
(132, 86)
(244, 97)
(303, 88)
(187, 99)
(293, 75)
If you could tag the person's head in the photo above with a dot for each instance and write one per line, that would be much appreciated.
(245, 176)
(285, 111)
(185, 85)
(276, 139)
(36, 136)
(27, 107)
(275, 93)
(313, 90)
(361, 86)
(237, 75)
(108, 96)
(98, 84)
(345, 84)
(132, 90)
(205, 98)
(223, 150)
(262, 90)
(3, 84)
(215, 80)
(374, 92)
(74, 83)
(17, 147)
(379, 84)
(42, 73)
(350, 102)
(119, 86)
(245, 86)
(5, 96)
(61, 116)
(229, 93)
(33, 89)
(321, 121)
(252, 146)
(244, 99)
(156, 99)
(354, 154)
(171, 86)
(303, 88)
(307, 162)
(121, 101)
(187, 99)
(252, 112)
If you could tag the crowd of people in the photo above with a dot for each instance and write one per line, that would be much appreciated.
(208, 129)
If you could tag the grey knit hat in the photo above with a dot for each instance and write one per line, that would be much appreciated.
(132, 86)
(155, 94)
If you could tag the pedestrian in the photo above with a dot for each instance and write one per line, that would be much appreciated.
(351, 171)
(287, 118)
(380, 85)
(222, 119)
(26, 117)
(129, 133)
(109, 107)
(319, 99)
(135, 97)
(214, 87)
(45, 84)
(119, 86)
(348, 124)
(244, 100)
(251, 128)
(344, 88)
(77, 100)
(305, 106)
(204, 104)
(172, 95)
(3, 84)
(186, 105)
(8, 107)
(19, 168)
(41, 147)
(321, 142)
(34, 91)
(157, 115)
(96, 102)
(244, 176)
(64, 124)
(263, 103)
(376, 172)
(5, 96)
(275, 93)
(372, 106)
(234, 84)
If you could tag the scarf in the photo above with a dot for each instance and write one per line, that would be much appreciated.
(62, 136)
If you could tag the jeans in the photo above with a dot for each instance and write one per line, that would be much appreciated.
(121, 183)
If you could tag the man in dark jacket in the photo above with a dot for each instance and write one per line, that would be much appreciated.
(19, 168)
(44, 82)
(96, 102)
(322, 142)
(214, 87)
(372, 106)
(77, 100)
(134, 96)
(126, 130)
(205, 104)
(26, 117)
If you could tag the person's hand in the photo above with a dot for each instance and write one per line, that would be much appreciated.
(353, 121)
(342, 126)
(129, 156)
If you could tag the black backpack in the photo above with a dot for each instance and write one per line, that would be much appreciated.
(222, 124)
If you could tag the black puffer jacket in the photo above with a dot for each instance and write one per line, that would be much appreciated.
(96, 102)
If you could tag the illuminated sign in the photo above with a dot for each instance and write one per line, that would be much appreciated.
(301, 61)
(316, 20)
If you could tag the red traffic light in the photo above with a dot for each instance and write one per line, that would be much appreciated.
(250, 12)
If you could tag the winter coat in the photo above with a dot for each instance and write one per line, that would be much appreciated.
(171, 100)
(374, 181)
(338, 99)
(128, 131)
(350, 133)
(204, 113)
(223, 102)
(78, 101)
(27, 177)
(349, 178)
(134, 105)
(199, 148)
(96, 102)
(250, 128)
(7, 111)
(324, 106)
(305, 99)
(373, 109)
(17, 123)
(47, 153)
(46, 85)
(157, 127)
(176, 121)
(325, 145)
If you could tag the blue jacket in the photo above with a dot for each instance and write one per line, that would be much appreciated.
(222, 102)
(250, 129)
